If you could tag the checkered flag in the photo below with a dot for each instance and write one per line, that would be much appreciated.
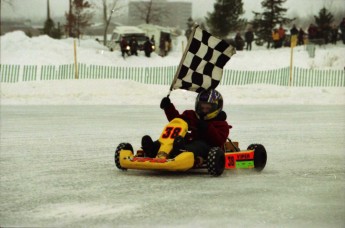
(201, 66)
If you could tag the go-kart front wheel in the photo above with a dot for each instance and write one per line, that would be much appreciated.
(121, 146)
(216, 161)
(260, 156)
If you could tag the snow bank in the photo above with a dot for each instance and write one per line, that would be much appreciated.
(17, 48)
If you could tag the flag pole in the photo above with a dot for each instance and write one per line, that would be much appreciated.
(183, 57)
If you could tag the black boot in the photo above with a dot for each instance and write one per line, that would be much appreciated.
(147, 145)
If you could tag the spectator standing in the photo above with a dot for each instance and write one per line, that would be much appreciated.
(134, 46)
(342, 29)
(281, 32)
(275, 38)
(166, 46)
(162, 47)
(147, 47)
(123, 46)
(293, 30)
(249, 37)
(300, 37)
(239, 42)
(334, 34)
(312, 32)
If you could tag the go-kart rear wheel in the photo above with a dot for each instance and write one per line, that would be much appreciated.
(216, 161)
(260, 156)
(121, 146)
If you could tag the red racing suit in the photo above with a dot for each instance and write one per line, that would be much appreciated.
(217, 130)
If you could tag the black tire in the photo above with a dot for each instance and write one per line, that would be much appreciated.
(121, 146)
(260, 156)
(215, 161)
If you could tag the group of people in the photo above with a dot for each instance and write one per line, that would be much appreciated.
(321, 35)
(278, 37)
(132, 47)
(246, 43)
(238, 42)
(315, 34)
(327, 33)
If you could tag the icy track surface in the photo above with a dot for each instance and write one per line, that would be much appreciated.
(57, 169)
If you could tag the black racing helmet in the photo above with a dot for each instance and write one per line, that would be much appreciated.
(215, 104)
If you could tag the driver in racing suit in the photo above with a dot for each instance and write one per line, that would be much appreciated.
(207, 124)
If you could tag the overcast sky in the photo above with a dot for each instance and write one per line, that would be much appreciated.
(35, 9)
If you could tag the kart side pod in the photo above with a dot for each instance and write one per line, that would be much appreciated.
(182, 162)
(255, 157)
(125, 159)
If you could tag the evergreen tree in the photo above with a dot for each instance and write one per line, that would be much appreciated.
(273, 15)
(56, 33)
(49, 26)
(49, 23)
(225, 17)
(324, 19)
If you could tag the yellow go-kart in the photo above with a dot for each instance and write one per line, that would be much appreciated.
(229, 157)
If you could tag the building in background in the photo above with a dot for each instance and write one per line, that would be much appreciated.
(163, 13)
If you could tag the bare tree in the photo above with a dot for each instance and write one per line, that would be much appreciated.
(114, 7)
(150, 12)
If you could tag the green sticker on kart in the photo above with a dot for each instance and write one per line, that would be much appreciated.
(244, 164)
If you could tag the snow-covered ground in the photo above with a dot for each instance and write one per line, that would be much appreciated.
(16, 48)
(118, 92)
(56, 156)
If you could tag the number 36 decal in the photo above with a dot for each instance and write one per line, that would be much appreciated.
(171, 132)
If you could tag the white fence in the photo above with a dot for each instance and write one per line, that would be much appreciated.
(164, 75)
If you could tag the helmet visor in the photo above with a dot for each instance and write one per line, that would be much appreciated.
(205, 108)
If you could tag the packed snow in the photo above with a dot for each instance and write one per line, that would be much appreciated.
(121, 92)
(58, 140)
(57, 170)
